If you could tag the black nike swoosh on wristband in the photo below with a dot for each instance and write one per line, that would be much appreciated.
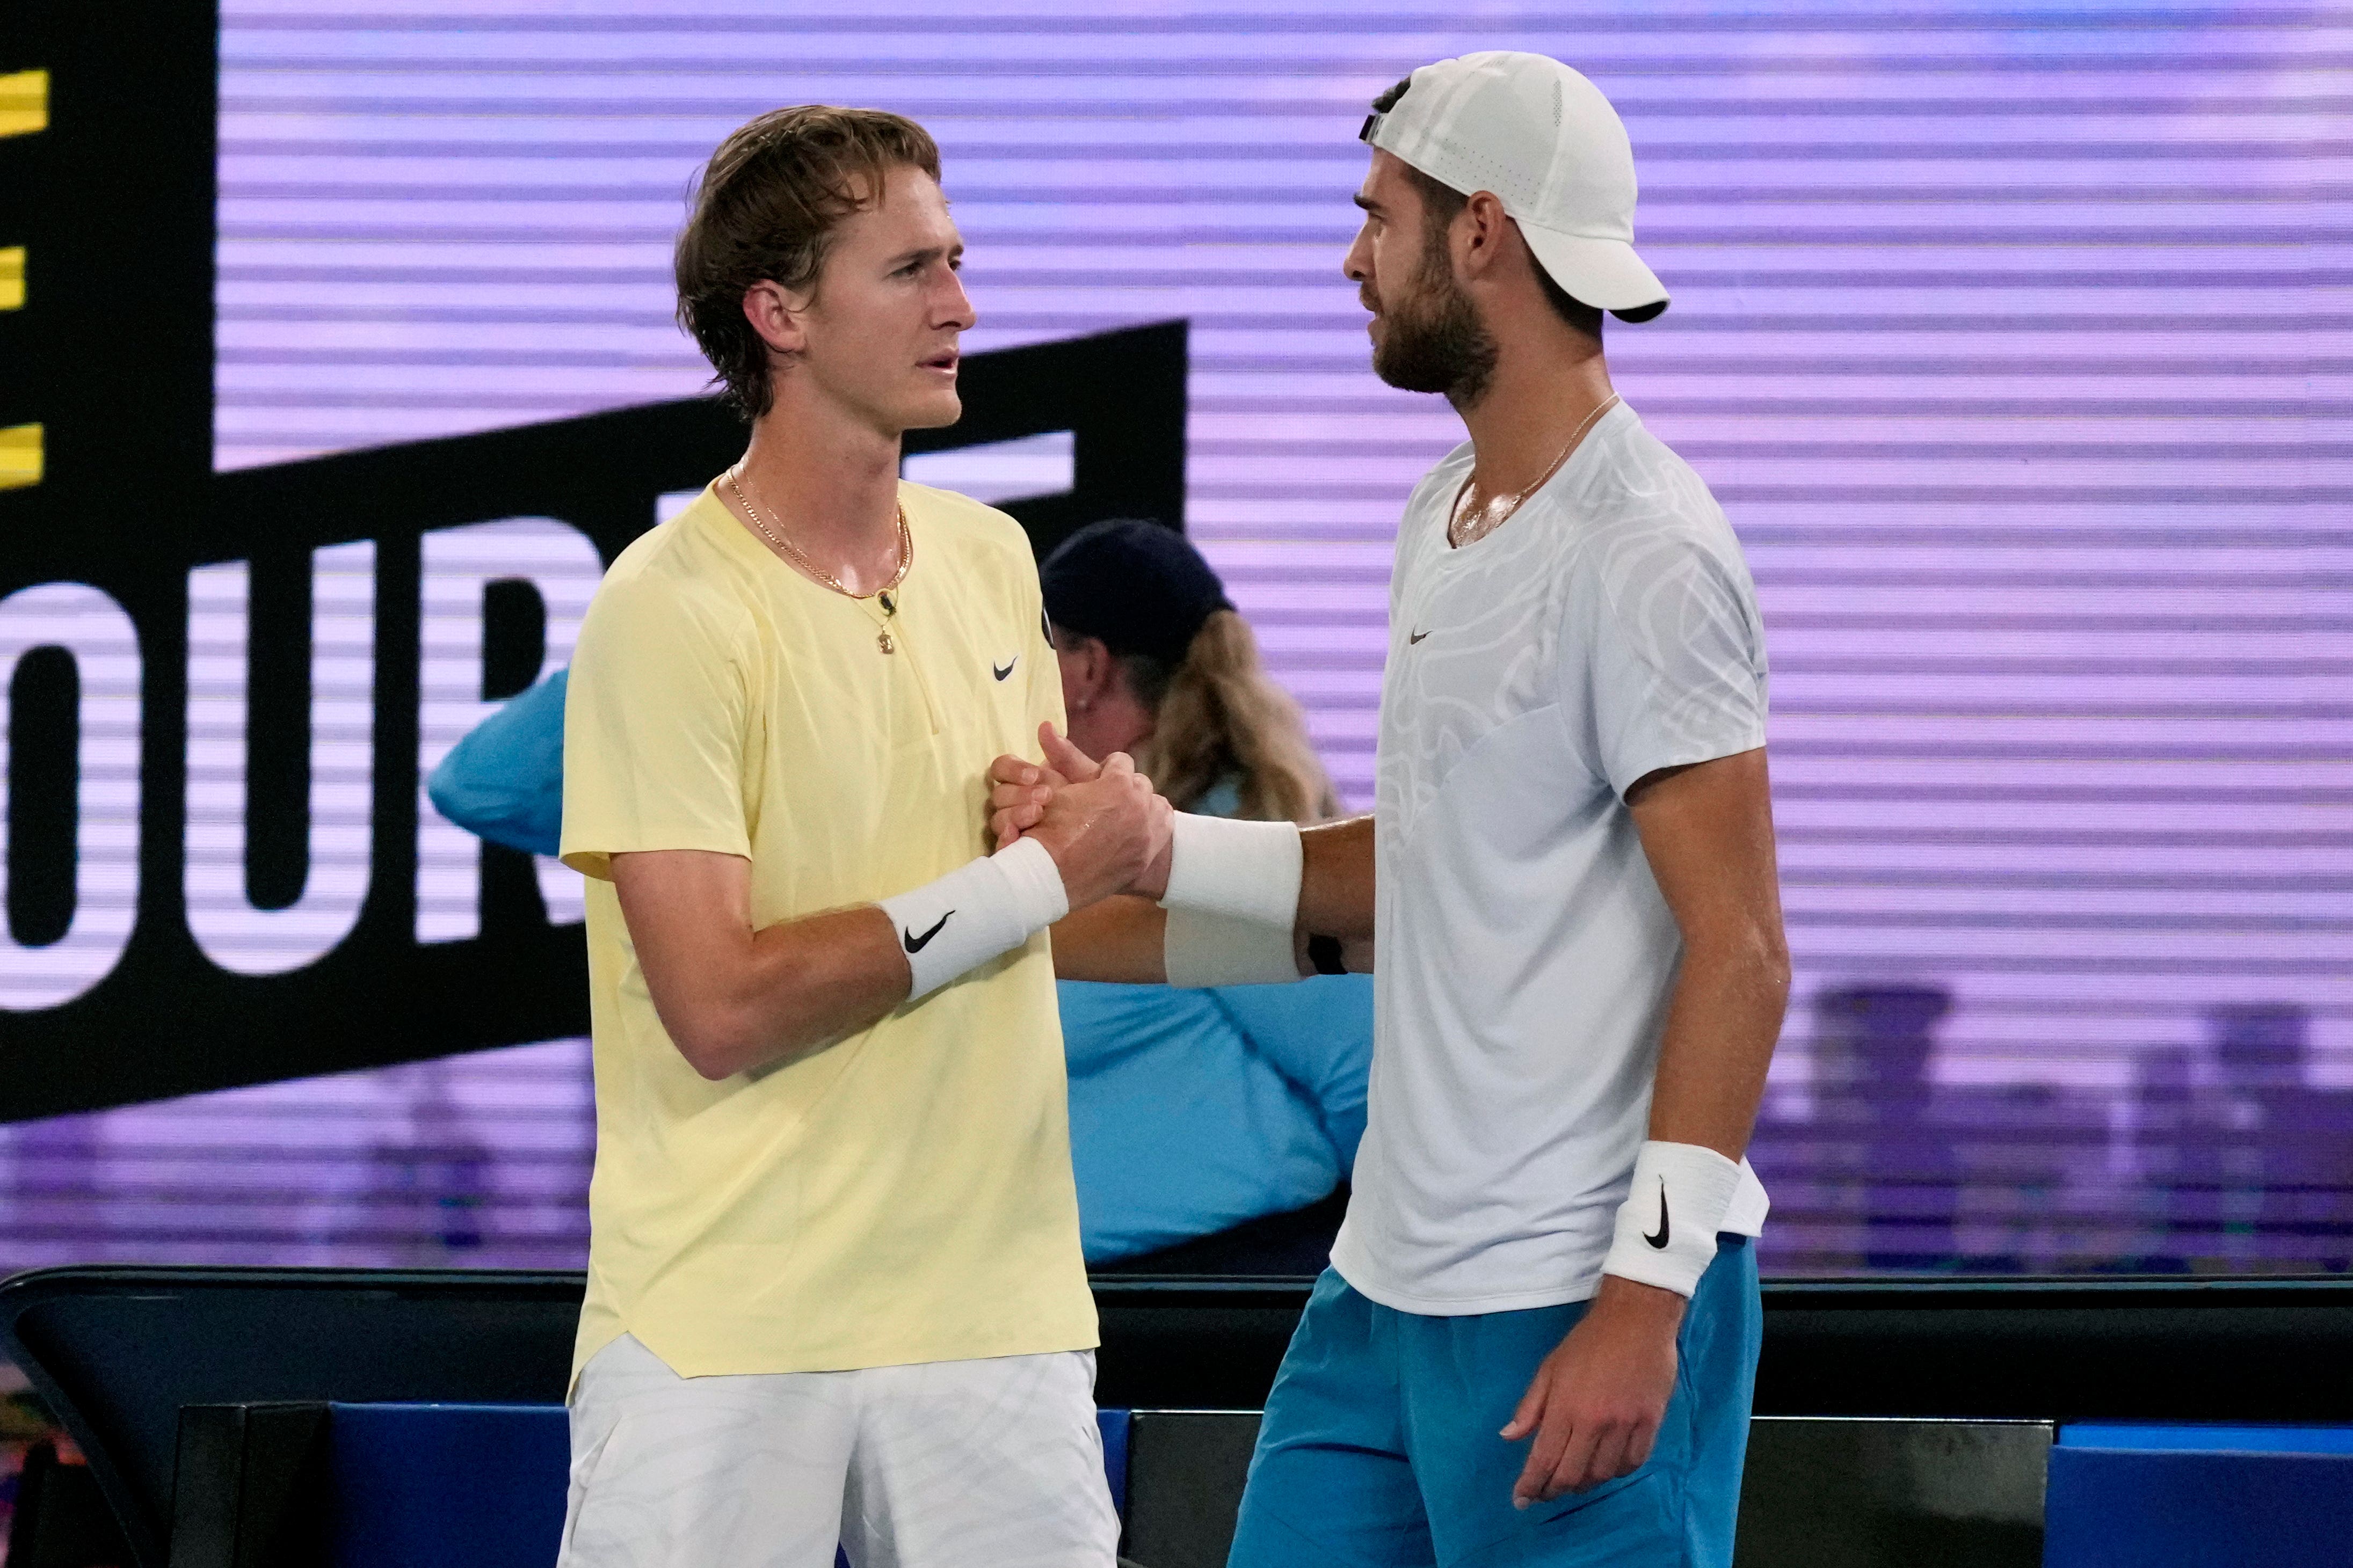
(1659, 1240)
(917, 943)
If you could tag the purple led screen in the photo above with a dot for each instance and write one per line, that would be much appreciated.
(2017, 341)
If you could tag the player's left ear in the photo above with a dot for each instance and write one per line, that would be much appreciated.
(775, 313)
(1483, 232)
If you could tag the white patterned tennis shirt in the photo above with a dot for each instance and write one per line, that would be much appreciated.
(1524, 956)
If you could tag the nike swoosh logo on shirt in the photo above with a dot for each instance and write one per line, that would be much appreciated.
(917, 943)
(1417, 636)
(1001, 674)
(1659, 1240)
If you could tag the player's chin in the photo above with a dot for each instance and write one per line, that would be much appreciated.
(930, 408)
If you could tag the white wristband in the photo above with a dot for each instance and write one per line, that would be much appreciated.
(1203, 948)
(1667, 1226)
(1248, 870)
(977, 911)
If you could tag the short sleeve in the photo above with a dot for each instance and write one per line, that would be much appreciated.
(655, 728)
(1044, 671)
(1676, 656)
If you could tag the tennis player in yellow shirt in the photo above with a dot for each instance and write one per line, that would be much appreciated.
(835, 1289)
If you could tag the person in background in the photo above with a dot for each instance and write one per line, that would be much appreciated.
(1157, 663)
(1191, 1111)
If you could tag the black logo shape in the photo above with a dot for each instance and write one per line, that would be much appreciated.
(1659, 1240)
(1001, 674)
(917, 943)
(1417, 636)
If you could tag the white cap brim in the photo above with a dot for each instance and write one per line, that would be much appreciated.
(1603, 273)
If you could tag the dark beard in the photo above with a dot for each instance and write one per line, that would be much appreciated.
(1435, 343)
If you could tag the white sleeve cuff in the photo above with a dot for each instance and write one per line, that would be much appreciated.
(980, 910)
(1667, 1226)
(1245, 871)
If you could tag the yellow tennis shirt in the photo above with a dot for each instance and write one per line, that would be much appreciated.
(905, 1193)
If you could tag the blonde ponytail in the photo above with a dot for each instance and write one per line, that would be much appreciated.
(1221, 714)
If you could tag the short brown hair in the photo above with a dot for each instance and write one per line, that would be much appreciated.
(770, 199)
(1440, 203)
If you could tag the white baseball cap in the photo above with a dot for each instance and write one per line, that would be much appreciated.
(1545, 142)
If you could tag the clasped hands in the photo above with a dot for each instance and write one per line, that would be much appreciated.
(1106, 827)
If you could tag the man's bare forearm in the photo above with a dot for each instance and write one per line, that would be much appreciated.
(1335, 885)
(1123, 938)
(1722, 1023)
(808, 983)
(734, 999)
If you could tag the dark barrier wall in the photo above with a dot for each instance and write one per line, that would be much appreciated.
(120, 1351)
(145, 956)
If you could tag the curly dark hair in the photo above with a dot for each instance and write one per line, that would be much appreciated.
(770, 197)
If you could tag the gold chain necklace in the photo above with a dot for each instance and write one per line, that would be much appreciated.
(1496, 511)
(906, 558)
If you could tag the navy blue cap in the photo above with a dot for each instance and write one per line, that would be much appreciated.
(1138, 585)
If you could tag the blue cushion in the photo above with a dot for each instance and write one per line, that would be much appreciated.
(2206, 1437)
(2114, 1507)
(460, 1486)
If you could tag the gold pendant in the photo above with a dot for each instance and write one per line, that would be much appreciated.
(883, 642)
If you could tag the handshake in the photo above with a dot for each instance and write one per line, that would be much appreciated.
(1106, 827)
(1230, 892)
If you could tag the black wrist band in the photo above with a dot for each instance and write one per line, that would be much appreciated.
(1324, 952)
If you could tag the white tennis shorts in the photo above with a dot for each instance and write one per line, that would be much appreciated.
(959, 1464)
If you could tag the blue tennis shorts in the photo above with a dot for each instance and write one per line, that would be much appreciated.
(1380, 1447)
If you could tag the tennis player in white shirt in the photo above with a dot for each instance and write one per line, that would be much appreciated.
(1537, 1339)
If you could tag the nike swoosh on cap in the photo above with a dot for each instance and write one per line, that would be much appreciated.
(917, 943)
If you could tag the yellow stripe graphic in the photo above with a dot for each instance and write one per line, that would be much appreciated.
(12, 278)
(20, 456)
(24, 103)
